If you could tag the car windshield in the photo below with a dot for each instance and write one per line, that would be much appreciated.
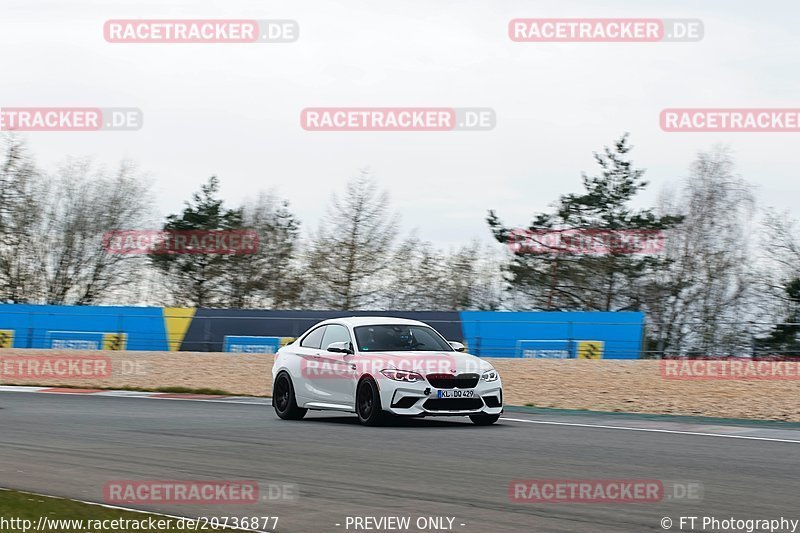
(399, 338)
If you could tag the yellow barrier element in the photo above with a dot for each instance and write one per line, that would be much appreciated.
(590, 349)
(115, 341)
(177, 321)
(6, 338)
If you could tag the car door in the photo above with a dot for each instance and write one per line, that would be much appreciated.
(307, 350)
(338, 381)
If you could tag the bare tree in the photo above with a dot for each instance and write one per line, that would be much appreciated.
(471, 279)
(21, 188)
(413, 277)
(51, 230)
(352, 249)
(424, 278)
(778, 284)
(81, 204)
(780, 247)
(704, 285)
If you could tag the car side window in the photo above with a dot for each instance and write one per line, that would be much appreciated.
(335, 333)
(313, 339)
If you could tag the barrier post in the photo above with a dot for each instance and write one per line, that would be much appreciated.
(30, 330)
(573, 354)
(207, 336)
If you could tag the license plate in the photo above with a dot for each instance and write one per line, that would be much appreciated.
(456, 393)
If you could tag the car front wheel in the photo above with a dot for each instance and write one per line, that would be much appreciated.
(368, 403)
(284, 401)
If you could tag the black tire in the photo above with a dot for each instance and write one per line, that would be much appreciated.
(368, 403)
(484, 420)
(283, 399)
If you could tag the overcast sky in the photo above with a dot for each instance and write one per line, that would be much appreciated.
(233, 109)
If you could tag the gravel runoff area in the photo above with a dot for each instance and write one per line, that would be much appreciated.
(600, 385)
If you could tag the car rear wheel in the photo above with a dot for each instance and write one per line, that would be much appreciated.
(368, 403)
(484, 420)
(284, 401)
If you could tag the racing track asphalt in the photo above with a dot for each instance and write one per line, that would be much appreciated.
(71, 445)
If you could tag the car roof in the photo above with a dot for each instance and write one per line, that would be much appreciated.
(355, 321)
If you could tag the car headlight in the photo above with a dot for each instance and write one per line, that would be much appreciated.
(490, 375)
(402, 375)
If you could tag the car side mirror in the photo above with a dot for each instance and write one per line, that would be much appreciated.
(457, 346)
(339, 347)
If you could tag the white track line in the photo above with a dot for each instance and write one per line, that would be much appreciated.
(118, 508)
(651, 430)
(241, 402)
(143, 397)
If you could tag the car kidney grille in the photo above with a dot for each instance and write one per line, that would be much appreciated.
(450, 381)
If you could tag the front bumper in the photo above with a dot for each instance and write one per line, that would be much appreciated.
(422, 399)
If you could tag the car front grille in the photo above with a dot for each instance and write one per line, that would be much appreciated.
(453, 404)
(450, 381)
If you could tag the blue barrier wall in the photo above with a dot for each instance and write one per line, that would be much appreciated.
(486, 333)
(496, 334)
(144, 326)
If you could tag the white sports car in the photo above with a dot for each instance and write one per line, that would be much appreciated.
(374, 366)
